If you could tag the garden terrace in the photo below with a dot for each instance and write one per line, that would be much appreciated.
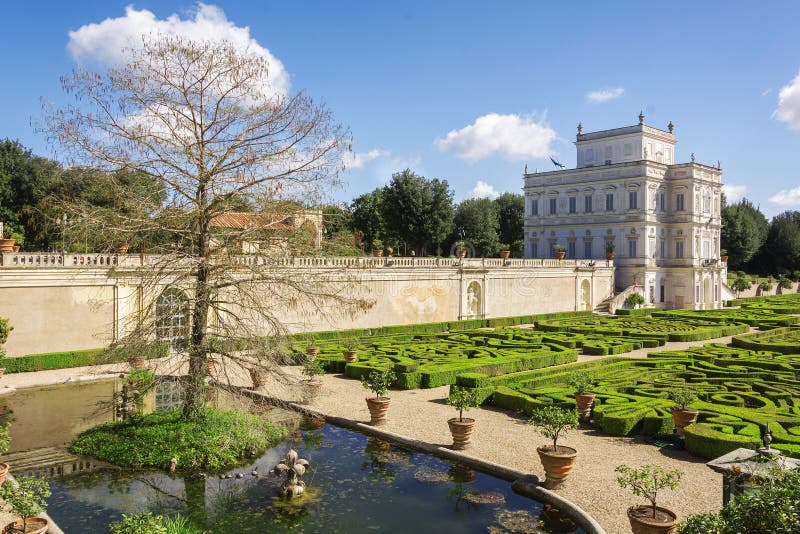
(739, 391)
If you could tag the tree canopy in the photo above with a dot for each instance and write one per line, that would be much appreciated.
(480, 222)
(744, 231)
(511, 213)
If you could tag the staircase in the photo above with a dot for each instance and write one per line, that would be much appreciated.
(604, 307)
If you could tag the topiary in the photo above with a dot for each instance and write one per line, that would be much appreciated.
(581, 381)
(634, 299)
(553, 422)
(682, 397)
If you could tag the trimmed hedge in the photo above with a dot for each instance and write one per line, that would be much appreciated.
(784, 340)
(75, 358)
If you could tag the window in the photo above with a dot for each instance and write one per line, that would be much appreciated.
(679, 199)
(608, 154)
(552, 206)
(535, 206)
(587, 203)
(662, 249)
(679, 249)
(632, 248)
(172, 317)
(573, 204)
(662, 202)
(609, 201)
(587, 249)
(571, 249)
(662, 293)
(534, 249)
(628, 149)
(632, 200)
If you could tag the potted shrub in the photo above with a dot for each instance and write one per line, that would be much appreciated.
(5, 442)
(313, 369)
(461, 249)
(312, 349)
(462, 399)
(350, 352)
(581, 381)
(122, 248)
(377, 247)
(723, 255)
(136, 361)
(634, 300)
(378, 382)
(646, 481)
(610, 246)
(557, 460)
(505, 250)
(559, 252)
(27, 498)
(681, 413)
(741, 284)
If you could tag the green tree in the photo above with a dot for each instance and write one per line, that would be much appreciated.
(336, 219)
(479, 219)
(783, 241)
(511, 211)
(744, 230)
(200, 118)
(368, 216)
(418, 211)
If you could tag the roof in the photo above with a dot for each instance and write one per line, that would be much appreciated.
(248, 220)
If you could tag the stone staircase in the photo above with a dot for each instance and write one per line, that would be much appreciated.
(50, 462)
(604, 307)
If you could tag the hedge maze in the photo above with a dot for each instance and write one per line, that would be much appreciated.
(787, 303)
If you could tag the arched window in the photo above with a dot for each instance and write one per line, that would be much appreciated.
(172, 317)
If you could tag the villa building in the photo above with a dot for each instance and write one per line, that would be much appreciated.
(627, 195)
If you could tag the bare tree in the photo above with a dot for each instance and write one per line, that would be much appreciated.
(238, 163)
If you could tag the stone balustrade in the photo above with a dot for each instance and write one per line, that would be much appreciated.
(51, 260)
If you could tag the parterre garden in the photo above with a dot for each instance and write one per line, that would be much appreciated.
(740, 388)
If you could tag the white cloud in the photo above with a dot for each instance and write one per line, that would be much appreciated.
(483, 190)
(357, 160)
(787, 197)
(105, 41)
(788, 110)
(734, 193)
(514, 137)
(604, 95)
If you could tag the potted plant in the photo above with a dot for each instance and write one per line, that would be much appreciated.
(378, 382)
(312, 349)
(559, 252)
(122, 248)
(723, 255)
(350, 352)
(136, 361)
(462, 399)
(646, 481)
(5, 442)
(313, 369)
(681, 413)
(581, 381)
(505, 250)
(634, 300)
(461, 249)
(557, 460)
(377, 247)
(741, 284)
(27, 498)
(258, 374)
(610, 246)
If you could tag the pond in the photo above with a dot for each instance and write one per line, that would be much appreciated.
(354, 483)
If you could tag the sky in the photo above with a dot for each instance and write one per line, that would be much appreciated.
(468, 91)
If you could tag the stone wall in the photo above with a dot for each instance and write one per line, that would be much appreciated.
(67, 302)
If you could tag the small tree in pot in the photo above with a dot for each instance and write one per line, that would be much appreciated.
(682, 415)
(741, 284)
(350, 352)
(559, 252)
(634, 300)
(610, 246)
(581, 381)
(646, 481)
(462, 399)
(557, 460)
(27, 498)
(312, 349)
(378, 382)
(723, 255)
(504, 250)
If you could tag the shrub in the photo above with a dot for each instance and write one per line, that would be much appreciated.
(553, 422)
(634, 299)
(503, 246)
(581, 381)
(27, 498)
(765, 285)
(220, 441)
(313, 368)
(559, 248)
(378, 381)
(723, 252)
(147, 523)
(785, 283)
(741, 284)
(646, 481)
(5, 439)
(462, 399)
(682, 397)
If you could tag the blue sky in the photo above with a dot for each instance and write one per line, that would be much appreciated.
(510, 80)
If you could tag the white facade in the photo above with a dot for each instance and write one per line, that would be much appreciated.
(662, 218)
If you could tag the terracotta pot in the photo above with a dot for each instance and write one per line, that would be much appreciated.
(683, 418)
(557, 464)
(210, 367)
(585, 401)
(7, 245)
(34, 525)
(136, 362)
(16, 248)
(504, 254)
(389, 251)
(377, 252)
(461, 253)
(123, 248)
(723, 259)
(560, 255)
(378, 408)
(3, 472)
(259, 377)
(610, 255)
(461, 429)
(350, 356)
(642, 522)
(312, 352)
